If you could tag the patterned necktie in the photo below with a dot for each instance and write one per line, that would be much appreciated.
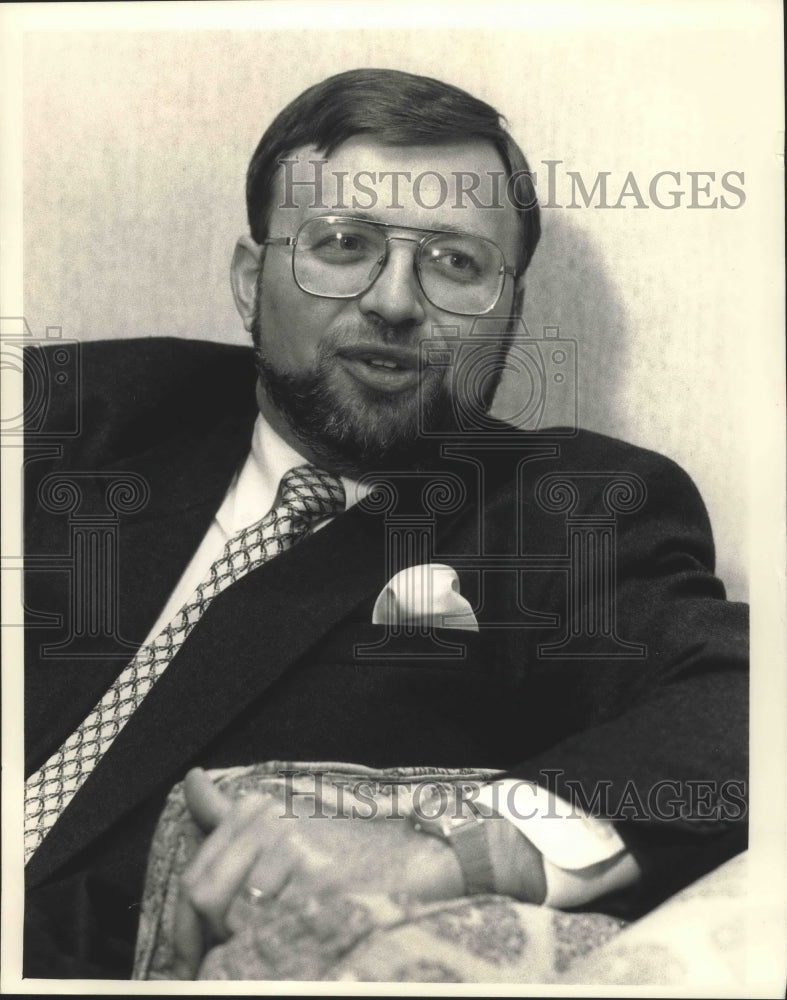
(307, 496)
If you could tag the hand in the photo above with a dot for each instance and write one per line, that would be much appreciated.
(293, 859)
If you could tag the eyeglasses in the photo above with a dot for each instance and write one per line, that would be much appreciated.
(337, 257)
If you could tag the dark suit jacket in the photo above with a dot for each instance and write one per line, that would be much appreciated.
(273, 671)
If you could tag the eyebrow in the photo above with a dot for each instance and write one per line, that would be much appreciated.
(364, 215)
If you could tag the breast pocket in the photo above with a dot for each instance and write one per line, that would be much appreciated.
(392, 647)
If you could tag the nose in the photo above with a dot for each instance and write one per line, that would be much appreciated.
(395, 296)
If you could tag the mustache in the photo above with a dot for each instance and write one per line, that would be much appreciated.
(371, 330)
(403, 343)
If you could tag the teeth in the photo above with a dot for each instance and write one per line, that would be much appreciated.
(380, 363)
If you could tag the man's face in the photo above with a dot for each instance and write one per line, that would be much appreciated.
(340, 378)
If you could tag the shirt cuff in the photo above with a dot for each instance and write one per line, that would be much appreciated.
(584, 858)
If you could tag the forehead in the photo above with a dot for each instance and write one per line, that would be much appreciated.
(457, 186)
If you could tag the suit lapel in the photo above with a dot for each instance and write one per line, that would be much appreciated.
(187, 478)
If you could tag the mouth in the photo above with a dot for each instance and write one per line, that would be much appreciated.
(387, 369)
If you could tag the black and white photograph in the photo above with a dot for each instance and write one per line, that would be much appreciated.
(393, 444)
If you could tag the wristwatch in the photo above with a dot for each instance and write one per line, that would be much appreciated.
(466, 834)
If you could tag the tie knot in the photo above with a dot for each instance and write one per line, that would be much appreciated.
(312, 493)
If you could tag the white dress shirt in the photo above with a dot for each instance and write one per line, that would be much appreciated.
(584, 857)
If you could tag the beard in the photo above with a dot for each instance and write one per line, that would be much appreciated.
(359, 430)
(356, 430)
(362, 432)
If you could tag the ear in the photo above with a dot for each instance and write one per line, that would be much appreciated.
(245, 267)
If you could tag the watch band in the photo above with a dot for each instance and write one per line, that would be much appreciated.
(467, 836)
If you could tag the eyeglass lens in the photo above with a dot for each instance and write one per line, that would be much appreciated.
(341, 258)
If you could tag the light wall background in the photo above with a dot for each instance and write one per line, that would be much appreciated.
(136, 145)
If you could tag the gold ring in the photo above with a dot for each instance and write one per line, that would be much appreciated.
(254, 895)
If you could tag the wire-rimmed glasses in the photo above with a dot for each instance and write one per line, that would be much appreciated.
(338, 257)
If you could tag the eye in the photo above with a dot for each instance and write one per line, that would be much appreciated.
(458, 261)
(455, 264)
(341, 245)
(348, 241)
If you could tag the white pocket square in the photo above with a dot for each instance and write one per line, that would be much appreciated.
(427, 594)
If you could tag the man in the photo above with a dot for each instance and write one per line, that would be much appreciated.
(392, 220)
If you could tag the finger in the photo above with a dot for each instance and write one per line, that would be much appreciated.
(206, 802)
(221, 868)
(271, 872)
(264, 883)
(188, 940)
(241, 812)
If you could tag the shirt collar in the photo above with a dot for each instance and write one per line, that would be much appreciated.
(253, 490)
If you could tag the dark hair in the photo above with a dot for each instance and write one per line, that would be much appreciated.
(399, 109)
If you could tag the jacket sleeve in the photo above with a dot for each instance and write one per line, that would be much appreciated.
(658, 742)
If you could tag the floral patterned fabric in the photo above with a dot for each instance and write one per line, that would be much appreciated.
(362, 937)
